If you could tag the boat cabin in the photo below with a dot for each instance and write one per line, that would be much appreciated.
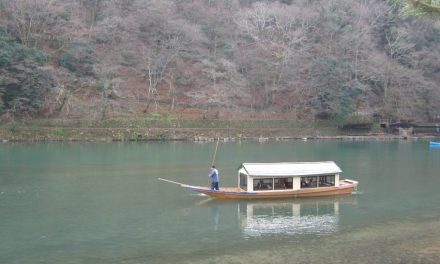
(287, 176)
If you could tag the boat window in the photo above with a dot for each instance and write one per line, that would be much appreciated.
(326, 180)
(283, 183)
(317, 181)
(309, 182)
(243, 181)
(265, 184)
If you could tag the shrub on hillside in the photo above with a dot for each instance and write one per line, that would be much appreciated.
(11, 52)
(23, 84)
(79, 58)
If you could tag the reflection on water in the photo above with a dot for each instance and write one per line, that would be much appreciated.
(288, 218)
(102, 203)
(285, 217)
(294, 217)
(410, 240)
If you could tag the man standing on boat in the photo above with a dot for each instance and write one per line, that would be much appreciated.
(214, 178)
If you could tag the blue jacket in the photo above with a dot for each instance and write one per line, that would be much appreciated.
(214, 175)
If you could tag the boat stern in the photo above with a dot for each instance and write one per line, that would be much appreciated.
(352, 183)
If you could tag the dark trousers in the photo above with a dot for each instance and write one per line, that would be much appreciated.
(214, 186)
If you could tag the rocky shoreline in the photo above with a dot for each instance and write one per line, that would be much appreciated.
(88, 134)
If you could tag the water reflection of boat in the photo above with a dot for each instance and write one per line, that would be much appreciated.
(291, 217)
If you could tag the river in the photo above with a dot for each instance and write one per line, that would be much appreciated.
(102, 203)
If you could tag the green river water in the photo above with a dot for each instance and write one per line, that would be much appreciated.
(102, 203)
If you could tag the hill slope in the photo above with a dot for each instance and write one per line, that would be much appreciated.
(217, 59)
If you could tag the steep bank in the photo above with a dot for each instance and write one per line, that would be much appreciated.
(305, 59)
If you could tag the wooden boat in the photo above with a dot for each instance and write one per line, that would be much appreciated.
(282, 180)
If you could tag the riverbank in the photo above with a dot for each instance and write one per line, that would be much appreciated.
(184, 130)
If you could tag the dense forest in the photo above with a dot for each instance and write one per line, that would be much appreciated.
(242, 59)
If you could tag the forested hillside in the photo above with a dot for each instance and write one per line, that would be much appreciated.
(297, 59)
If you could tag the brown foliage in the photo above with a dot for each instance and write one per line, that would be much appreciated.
(300, 58)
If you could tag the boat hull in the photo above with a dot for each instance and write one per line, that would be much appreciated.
(345, 187)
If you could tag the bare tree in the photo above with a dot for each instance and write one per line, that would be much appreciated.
(158, 61)
(93, 10)
(27, 19)
(425, 6)
(279, 32)
(367, 15)
(397, 47)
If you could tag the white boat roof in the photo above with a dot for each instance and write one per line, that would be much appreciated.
(291, 168)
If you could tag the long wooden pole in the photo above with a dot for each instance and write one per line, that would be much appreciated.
(213, 157)
(215, 152)
(165, 180)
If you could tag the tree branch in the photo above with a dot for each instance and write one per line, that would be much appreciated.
(425, 6)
